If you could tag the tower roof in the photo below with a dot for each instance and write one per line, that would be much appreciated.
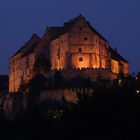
(68, 25)
(29, 46)
(116, 56)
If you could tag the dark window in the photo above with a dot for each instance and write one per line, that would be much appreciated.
(80, 58)
(58, 53)
(80, 50)
(80, 28)
(85, 38)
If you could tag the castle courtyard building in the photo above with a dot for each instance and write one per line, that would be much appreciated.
(74, 47)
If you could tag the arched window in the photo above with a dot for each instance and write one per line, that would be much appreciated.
(80, 58)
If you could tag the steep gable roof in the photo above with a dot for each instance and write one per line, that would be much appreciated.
(55, 32)
(116, 56)
(29, 46)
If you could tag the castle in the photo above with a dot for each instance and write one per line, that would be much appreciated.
(76, 46)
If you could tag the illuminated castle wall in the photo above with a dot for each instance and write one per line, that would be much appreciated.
(81, 47)
(76, 45)
(21, 65)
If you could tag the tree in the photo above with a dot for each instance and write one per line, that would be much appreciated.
(58, 80)
(36, 85)
(42, 65)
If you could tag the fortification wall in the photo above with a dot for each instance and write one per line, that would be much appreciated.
(69, 95)
(93, 74)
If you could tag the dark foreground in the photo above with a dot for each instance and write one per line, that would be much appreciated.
(109, 114)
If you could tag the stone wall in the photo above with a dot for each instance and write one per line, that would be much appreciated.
(115, 66)
(20, 71)
(93, 74)
(126, 69)
(70, 95)
(78, 47)
(85, 47)
(59, 48)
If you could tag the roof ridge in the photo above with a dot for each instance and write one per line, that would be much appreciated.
(33, 37)
(116, 55)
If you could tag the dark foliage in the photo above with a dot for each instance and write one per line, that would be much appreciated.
(111, 113)
(42, 64)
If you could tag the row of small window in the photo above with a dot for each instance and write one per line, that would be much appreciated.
(85, 38)
(103, 51)
(81, 59)
(79, 50)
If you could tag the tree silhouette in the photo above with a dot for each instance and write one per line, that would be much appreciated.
(42, 65)
(36, 85)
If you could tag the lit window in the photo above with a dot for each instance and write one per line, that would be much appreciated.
(80, 58)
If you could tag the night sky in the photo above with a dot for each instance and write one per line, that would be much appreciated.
(117, 20)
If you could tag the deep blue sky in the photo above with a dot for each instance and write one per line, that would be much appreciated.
(116, 20)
